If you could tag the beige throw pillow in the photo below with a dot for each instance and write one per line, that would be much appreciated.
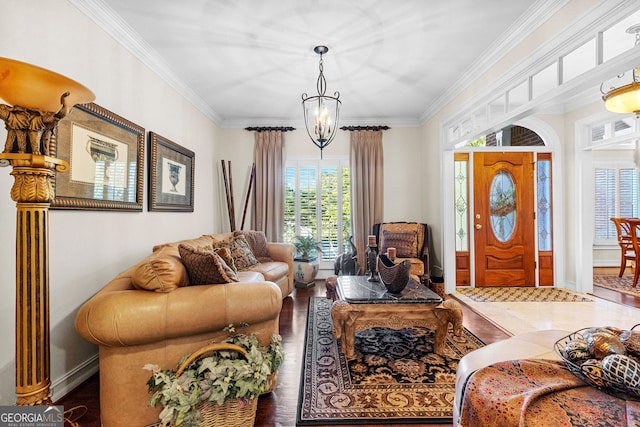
(161, 272)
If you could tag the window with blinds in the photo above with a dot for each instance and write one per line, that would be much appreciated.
(616, 195)
(318, 203)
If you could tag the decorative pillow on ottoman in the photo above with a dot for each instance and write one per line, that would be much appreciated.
(405, 242)
(241, 253)
(205, 267)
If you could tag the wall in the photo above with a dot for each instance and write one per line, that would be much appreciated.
(87, 248)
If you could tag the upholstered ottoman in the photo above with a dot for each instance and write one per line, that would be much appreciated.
(532, 345)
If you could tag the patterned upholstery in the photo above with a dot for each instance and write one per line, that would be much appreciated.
(411, 240)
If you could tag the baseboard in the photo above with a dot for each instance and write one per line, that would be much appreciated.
(72, 379)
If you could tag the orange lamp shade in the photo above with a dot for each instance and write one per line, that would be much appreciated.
(37, 88)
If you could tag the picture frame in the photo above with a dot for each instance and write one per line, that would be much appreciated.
(171, 175)
(105, 153)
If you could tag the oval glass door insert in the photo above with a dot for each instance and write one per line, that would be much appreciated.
(502, 202)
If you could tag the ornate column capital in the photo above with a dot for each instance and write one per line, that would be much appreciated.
(33, 174)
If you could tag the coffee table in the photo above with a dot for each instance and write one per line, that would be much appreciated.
(362, 305)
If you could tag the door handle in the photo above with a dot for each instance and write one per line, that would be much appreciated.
(478, 226)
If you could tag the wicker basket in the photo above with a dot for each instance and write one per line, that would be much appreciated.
(593, 375)
(234, 412)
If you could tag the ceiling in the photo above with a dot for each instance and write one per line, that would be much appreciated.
(248, 62)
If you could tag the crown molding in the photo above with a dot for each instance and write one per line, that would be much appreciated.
(537, 14)
(106, 18)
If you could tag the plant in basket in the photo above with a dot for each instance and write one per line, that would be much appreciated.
(230, 374)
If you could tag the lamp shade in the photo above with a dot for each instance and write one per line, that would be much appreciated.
(37, 88)
(625, 99)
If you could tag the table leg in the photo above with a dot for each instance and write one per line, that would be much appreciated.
(447, 312)
(344, 326)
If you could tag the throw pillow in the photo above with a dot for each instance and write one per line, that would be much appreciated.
(226, 257)
(160, 272)
(224, 254)
(240, 252)
(405, 242)
(257, 242)
(205, 267)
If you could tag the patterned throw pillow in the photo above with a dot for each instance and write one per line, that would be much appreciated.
(257, 242)
(405, 242)
(205, 267)
(240, 252)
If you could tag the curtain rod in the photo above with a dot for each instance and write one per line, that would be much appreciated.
(269, 128)
(365, 128)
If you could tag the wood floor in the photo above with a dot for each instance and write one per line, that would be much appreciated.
(279, 408)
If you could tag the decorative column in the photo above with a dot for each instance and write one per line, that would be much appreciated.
(33, 192)
(39, 99)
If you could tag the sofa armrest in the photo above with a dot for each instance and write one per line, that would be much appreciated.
(135, 317)
(283, 252)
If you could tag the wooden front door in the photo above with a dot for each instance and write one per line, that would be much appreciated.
(503, 220)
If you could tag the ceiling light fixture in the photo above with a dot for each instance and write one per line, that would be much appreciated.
(321, 111)
(625, 99)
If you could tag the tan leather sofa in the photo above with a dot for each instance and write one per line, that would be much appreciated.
(134, 327)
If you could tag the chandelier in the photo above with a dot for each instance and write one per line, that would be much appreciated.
(321, 111)
(625, 99)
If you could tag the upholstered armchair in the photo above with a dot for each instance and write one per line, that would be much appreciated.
(411, 240)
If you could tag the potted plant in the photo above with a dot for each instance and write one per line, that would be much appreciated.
(232, 377)
(305, 264)
(307, 246)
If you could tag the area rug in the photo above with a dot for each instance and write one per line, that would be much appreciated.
(515, 294)
(395, 377)
(622, 284)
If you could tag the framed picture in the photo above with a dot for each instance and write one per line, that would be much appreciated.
(105, 154)
(171, 172)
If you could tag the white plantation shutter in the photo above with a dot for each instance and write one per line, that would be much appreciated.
(317, 203)
(616, 195)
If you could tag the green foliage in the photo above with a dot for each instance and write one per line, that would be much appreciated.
(307, 245)
(215, 378)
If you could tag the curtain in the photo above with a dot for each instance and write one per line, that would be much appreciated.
(366, 164)
(268, 206)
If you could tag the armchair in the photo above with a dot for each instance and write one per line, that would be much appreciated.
(411, 240)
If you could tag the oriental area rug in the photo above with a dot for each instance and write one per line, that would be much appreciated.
(395, 377)
(518, 294)
(622, 284)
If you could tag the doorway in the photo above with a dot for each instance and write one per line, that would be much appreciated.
(503, 219)
(503, 206)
